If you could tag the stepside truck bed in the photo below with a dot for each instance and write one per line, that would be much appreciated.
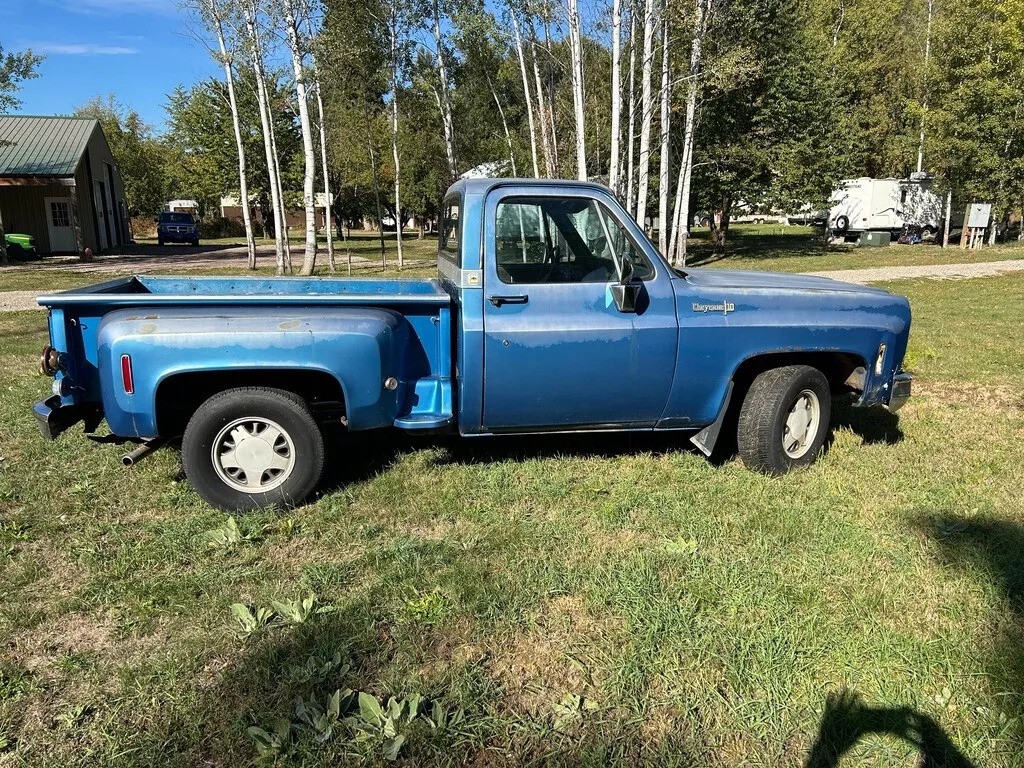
(136, 348)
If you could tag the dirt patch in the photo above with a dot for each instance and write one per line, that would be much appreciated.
(985, 396)
(541, 664)
(73, 633)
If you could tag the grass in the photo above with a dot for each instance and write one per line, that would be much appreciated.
(587, 601)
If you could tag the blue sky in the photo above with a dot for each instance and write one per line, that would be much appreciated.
(139, 50)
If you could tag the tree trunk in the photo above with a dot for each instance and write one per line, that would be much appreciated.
(613, 167)
(576, 54)
(308, 179)
(526, 93)
(394, 139)
(265, 125)
(551, 96)
(285, 229)
(691, 112)
(924, 85)
(3, 241)
(504, 125)
(549, 161)
(446, 101)
(647, 109)
(243, 184)
(328, 200)
(663, 169)
(631, 146)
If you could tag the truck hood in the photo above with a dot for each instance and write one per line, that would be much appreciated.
(738, 278)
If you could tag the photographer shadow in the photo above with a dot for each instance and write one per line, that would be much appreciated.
(847, 720)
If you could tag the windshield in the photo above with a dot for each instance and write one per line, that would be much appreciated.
(175, 218)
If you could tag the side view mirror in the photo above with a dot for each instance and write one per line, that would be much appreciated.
(626, 270)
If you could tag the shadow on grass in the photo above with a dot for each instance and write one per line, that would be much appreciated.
(759, 246)
(993, 549)
(354, 457)
(848, 719)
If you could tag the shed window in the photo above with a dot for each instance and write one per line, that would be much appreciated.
(59, 214)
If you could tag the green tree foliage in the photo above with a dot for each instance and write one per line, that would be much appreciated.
(201, 139)
(142, 160)
(15, 68)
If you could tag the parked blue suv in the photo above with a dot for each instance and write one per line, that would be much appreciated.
(174, 227)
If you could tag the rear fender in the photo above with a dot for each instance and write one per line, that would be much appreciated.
(360, 347)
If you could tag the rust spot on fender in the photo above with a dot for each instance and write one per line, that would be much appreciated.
(287, 325)
(147, 328)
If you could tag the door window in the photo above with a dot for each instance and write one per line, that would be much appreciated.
(59, 214)
(561, 240)
(449, 241)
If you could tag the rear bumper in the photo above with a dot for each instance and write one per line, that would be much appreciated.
(900, 391)
(54, 418)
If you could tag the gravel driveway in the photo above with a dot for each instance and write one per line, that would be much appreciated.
(934, 271)
(11, 301)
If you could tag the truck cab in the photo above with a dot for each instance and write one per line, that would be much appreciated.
(551, 312)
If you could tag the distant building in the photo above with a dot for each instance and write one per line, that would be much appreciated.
(59, 183)
(230, 208)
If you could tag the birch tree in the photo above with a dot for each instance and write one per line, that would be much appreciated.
(631, 145)
(546, 139)
(613, 170)
(682, 219)
(226, 57)
(445, 96)
(576, 54)
(526, 92)
(646, 112)
(394, 28)
(322, 128)
(663, 169)
(273, 173)
(309, 154)
(924, 86)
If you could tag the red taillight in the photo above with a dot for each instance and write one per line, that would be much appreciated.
(126, 374)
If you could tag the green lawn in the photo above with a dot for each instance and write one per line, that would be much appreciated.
(584, 601)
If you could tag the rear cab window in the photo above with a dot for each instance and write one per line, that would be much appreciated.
(451, 232)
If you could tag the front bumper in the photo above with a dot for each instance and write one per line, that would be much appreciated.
(900, 391)
(54, 418)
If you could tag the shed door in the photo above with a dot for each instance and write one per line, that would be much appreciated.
(59, 225)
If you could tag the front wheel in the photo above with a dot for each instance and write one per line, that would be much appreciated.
(253, 447)
(784, 419)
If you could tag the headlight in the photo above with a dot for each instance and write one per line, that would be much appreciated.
(880, 360)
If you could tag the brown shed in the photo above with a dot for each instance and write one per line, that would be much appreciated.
(59, 184)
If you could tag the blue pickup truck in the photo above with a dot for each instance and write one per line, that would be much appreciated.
(551, 312)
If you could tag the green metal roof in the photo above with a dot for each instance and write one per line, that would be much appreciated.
(42, 146)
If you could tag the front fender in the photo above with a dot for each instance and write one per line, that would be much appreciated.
(358, 346)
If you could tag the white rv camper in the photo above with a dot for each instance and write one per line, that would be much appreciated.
(865, 204)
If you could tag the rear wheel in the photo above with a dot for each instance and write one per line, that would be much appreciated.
(160, 241)
(253, 447)
(784, 419)
(842, 223)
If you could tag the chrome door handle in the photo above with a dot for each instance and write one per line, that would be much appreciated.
(499, 300)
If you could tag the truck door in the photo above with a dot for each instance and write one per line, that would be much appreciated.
(558, 354)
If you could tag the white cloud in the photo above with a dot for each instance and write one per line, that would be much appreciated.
(82, 49)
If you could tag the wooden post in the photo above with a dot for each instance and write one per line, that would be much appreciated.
(964, 232)
(949, 212)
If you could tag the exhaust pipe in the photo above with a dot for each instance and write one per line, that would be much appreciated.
(133, 458)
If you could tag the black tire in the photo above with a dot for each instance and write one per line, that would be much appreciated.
(160, 243)
(766, 408)
(195, 242)
(841, 224)
(303, 443)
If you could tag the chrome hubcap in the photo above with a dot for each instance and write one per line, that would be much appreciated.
(801, 425)
(253, 455)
